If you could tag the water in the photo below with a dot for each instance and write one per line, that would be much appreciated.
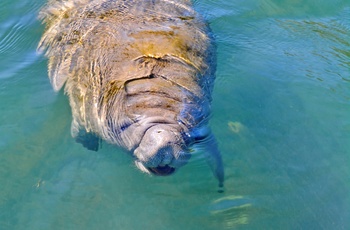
(280, 113)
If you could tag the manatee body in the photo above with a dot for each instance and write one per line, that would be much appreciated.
(138, 73)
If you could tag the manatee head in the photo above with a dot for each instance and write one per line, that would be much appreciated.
(161, 151)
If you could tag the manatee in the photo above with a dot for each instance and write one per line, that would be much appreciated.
(139, 74)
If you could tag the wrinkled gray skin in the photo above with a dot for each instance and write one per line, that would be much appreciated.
(138, 73)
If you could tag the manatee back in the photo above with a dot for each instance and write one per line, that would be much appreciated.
(105, 35)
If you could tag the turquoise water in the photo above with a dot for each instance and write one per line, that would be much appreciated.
(281, 114)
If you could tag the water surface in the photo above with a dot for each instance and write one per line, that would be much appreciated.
(281, 114)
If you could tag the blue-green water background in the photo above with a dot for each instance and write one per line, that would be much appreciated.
(281, 114)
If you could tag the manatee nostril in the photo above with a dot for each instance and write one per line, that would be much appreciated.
(162, 170)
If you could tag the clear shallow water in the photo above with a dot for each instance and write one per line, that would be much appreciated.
(280, 113)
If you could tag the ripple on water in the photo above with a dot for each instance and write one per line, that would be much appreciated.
(15, 29)
(233, 209)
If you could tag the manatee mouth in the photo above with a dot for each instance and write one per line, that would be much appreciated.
(162, 170)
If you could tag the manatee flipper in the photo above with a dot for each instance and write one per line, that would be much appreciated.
(213, 156)
(214, 159)
(88, 139)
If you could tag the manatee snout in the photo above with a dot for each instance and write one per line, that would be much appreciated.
(161, 150)
(162, 170)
